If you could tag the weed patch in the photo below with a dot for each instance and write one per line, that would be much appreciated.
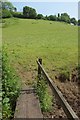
(44, 97)
(10, 88)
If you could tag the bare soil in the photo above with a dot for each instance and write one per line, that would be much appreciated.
(70, 91)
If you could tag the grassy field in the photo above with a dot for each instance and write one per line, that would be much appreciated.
(55, 42)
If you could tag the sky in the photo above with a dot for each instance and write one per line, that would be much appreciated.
(50, 8)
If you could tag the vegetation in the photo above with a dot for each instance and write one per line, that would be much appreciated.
(73, 20)
(39, 16)
(6, 13)
(7, 5)
(44, 96)
(53, 18)
(8, 10)
(27, 39)
(79, 22)
(10, 88)
(65, 17)
(29, 12)
(43, 39)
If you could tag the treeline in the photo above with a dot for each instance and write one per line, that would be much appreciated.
(8, 10)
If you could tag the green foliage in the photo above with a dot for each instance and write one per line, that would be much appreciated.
(74, 21)
(29, 12)
(44, 97)
(17, 14)
(79, 22)
(10, 87)
(52, 17)
(6, 13)
(65, 17)
(39, 16)
(7, 6)
(6, 108)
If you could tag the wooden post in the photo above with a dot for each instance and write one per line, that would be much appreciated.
(39, 69)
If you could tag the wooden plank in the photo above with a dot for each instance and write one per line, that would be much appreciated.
(66, 107)
(28, 105)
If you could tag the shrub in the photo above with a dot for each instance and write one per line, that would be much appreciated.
(44, 97)
(17, 14)
(39, 16)
(6, 13)
(10, 87)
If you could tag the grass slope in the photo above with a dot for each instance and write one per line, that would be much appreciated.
(55, 42)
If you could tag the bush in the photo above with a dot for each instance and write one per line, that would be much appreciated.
(6, 13)
(10, 87)
(17, 14)
(44, 97)
(74, 21)
(39, 16)
(52, 17)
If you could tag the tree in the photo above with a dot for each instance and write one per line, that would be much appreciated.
(52, 17)
(7, 5)
(7, 9)
(79, 22)
(39, 16)
(29, 12)
(74, 21)
(59, 17)
(0, 10)
(32, 13)
(46, 17)
(65, 17)
(15, 9)
(6, 13)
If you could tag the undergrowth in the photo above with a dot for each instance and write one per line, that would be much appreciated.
(10, 88)
(44, 96)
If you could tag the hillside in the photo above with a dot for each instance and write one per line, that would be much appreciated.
(56, 43)
(26, 40)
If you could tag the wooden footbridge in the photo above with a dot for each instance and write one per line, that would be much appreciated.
(28, 105)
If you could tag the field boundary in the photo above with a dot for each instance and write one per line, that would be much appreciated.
(65, 105)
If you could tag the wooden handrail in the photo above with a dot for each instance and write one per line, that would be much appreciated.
(65, 105)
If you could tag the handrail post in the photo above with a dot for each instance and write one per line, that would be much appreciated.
(39, 69)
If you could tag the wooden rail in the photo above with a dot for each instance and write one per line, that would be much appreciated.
(65, 105)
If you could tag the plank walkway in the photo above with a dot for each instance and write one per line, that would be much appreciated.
(28, 105)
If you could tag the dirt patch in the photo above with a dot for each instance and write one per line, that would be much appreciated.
(27, 76)
(70, 91)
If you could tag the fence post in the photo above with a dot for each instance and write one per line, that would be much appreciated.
(39, 69)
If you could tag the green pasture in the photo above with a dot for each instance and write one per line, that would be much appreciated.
(26, 40)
